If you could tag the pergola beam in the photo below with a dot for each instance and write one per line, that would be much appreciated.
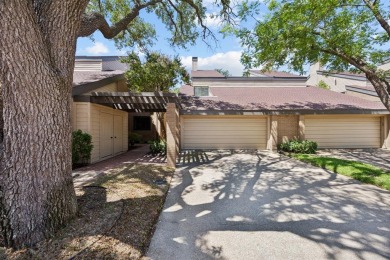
(132, 102)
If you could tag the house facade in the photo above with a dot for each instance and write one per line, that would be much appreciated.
(107, 126)
(218, 112)
(260, 112)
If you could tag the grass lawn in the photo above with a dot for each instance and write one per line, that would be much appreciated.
(118, 211)
(360, 171)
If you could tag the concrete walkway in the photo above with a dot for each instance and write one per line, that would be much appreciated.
(139, 154)
(263, 206)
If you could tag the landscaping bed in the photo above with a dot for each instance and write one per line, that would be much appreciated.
(363, 172)
(118, 212)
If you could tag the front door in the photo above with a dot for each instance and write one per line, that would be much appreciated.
(106, 135)
(118, 134)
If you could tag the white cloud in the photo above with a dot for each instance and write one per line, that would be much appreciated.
(224, 60)
(213, 21)
(97, 48)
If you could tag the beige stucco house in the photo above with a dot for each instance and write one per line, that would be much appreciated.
(354, 84)
(218, 112)
(260, 112)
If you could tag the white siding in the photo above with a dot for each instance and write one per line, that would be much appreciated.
(86, 117)
(343, 131)
(223, 132)
(81, 116)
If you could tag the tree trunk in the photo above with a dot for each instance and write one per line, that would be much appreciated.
(36, 65)
(382, 88)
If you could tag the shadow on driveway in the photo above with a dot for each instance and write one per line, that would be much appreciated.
(263, 206)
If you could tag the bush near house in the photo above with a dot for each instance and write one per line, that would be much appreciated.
(299, 146)
(158, 146)
(134, 138)
(81, 148)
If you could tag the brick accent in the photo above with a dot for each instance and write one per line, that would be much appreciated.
(172, 132)
(287, 128)
(385, 131)
(301, 127)
(272, 133)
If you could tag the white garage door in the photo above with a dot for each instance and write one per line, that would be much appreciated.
(224, 132)
(343, 132)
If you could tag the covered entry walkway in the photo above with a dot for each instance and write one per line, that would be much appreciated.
(145, 102)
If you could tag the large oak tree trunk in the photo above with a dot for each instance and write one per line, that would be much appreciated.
(36, 64)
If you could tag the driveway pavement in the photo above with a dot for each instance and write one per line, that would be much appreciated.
(263, 206)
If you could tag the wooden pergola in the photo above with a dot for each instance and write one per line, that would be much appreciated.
(135, 102)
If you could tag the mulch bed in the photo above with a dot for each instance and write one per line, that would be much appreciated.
(117, 215)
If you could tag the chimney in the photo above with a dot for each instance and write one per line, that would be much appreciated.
(194, 63)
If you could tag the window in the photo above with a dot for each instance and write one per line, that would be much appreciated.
(201, 91)
(141, 123)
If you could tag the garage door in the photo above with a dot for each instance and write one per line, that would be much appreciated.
(343, 132)
(224, 132)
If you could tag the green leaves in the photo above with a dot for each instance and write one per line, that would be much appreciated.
(185, 20)
(340, 34)
(81, 147)
(158, 72)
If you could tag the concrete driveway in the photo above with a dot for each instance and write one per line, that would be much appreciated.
(263, 206)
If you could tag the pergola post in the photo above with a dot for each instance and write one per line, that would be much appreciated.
(172, 133)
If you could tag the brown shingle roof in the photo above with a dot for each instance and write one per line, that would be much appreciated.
(84, 77)
(274, 98)
(206, 74)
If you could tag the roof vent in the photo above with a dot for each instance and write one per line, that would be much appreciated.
(88, 65)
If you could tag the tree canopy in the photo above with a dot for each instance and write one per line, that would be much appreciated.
(158, 72)
(341, 35)
(123, 21)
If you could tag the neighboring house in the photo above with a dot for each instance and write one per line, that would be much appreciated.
(337, 81)
(261, 112)
(354, 84)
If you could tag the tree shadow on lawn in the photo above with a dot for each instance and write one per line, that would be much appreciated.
(116, 218)
(355, 169)
(266, 205)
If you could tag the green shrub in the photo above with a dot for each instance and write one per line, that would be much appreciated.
(323, 85)
(158, 146)
(81, 147)
(299, 146)
(134, 138)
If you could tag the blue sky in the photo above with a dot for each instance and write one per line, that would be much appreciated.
(224, 54)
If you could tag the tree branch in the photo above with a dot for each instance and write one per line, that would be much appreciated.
(95, 21)
(200, 18)
(170, 16)
(378, 16)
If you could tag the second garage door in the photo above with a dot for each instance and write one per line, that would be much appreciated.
(224, 132)
(343, 131)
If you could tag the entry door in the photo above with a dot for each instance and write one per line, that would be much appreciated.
(118, 134)
(106, 135)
